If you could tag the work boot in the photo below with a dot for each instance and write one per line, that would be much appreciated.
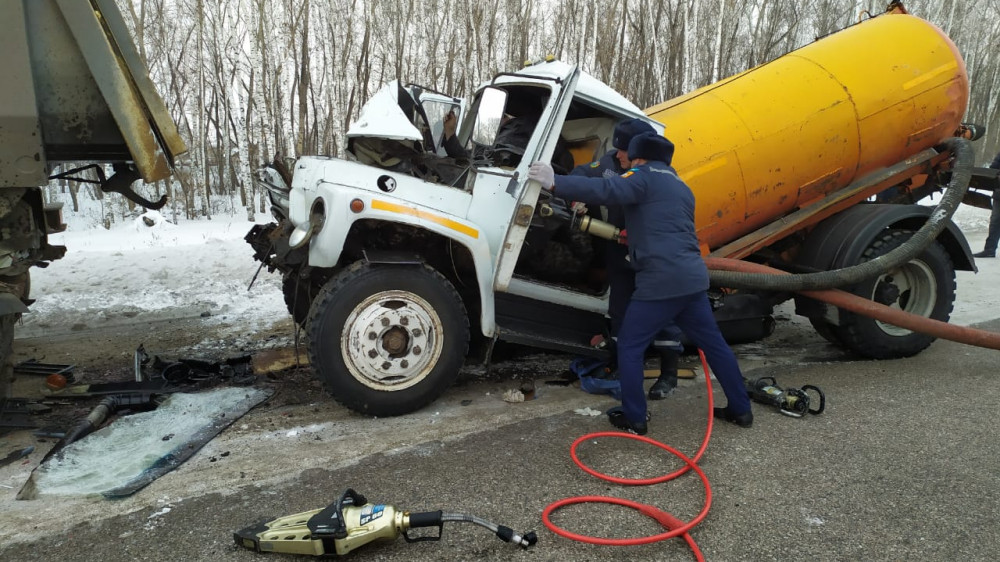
(743, 420)
(667, 382)
(617, 418)
(985, 254)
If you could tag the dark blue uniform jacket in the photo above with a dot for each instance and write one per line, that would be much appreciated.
(659, 215)
(607, 166)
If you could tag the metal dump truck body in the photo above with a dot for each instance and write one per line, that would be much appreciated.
(77, 91)
(74, 92)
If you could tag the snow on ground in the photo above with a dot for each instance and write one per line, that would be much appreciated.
(204, 266)
(150, 267)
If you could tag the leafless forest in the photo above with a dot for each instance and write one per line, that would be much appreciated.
(246, 79)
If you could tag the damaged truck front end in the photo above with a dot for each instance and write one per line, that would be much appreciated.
(390, 259)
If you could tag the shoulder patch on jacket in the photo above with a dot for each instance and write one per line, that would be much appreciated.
(627, 174)
(595, 164)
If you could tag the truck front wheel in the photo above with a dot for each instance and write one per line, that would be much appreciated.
(297, 297)
(924, 286)
(387, 340)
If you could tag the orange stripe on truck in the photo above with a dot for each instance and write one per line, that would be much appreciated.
(414, 212)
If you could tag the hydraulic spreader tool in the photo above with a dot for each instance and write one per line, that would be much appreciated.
(351, 522)
(789, 401)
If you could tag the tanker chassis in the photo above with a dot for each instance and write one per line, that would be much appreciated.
(398, 258)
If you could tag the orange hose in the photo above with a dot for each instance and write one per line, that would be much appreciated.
(871, 309)
(675, 527)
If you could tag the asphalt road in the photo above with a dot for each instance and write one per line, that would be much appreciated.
(901, 466)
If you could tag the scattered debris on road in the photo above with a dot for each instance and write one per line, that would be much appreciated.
(138, 445)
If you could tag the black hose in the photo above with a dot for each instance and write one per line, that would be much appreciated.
(96, 417)
(938, 220)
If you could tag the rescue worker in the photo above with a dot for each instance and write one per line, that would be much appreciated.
(621, 276)
(993, 234)
(671, 280)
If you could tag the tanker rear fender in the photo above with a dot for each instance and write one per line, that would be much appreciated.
(841, 240)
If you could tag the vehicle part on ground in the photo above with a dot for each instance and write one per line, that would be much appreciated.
(387, 339)
(352, 522)
(794, 402)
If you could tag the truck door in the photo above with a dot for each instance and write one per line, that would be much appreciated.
(524, 193)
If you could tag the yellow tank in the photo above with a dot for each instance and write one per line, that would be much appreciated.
(758, 145)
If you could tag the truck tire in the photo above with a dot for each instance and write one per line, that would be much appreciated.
(924, 286)
(827, 330)
(297, 297)
(387, 340)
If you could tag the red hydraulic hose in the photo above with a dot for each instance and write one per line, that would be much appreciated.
(871, 309)
(675, 527)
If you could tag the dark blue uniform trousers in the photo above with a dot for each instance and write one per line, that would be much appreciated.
(692, 314)
(621, 278)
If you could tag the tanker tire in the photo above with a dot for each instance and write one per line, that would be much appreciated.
(827, 330)
(367, 300)
(927, 286)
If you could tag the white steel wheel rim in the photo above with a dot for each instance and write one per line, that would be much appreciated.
(391, 340)
(917, 293)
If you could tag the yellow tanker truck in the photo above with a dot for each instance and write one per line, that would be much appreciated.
(407, 254)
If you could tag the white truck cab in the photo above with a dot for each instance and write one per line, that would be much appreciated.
(394, 258)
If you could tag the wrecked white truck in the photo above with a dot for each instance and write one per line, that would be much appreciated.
(397, 258)
(76, 96)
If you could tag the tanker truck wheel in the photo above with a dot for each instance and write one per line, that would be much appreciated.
(827, 330)
(925, 286)
(387, 340)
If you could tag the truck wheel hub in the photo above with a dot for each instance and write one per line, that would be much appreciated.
(392, 340)
(913, 289)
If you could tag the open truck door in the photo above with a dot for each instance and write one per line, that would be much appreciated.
(520, 196)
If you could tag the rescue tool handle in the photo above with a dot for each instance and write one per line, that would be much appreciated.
(425, 519)
(822, 399)
(330, 521)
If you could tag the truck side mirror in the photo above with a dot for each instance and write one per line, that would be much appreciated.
(491, 106)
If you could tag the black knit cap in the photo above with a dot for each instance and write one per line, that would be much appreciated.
(651, 146)
(627, 130)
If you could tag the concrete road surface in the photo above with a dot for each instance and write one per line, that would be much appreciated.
(901, 466)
